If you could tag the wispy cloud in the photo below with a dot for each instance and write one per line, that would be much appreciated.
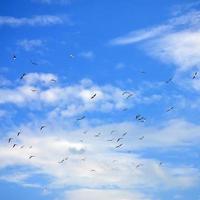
(176, 41)
(29, 45)
(87, 55)
(38, 20)
(63, 2)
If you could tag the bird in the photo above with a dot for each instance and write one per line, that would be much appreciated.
(97, 135)
(118, 146)
(71, 56)
(22, 76)
(111, 132)
(160, 163)
(31, 157)
(140, 118)
(14, 145)
(169, 109)
(61, 161)
(53, 80)
(9, 140)
(33, 90)
(110, 140)
(22, 147)
(81, 118)
(33, 63)
(93, 170)
(125, 92)
(130, 95)
(119, 139)
(169, 80)
(194, 75)
(141, 138)
(18, 133)
(42, 127)
(124, 134)
(139, 165)
(14, 57)
(93, 96)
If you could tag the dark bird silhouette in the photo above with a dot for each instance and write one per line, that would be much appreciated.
(92, 97)
(42, 127)
(81, 118)
(118, 146)
(195, 75)
(14, 57)
(169, 109)
(33, 63)
(22, 76)
(119, 139)
(124, 134)
(61, 161)
(33, 90)
(110, 140)
(169, 80)
(22, 147)
(53, 80)
(140, 118)
(14, 145)
(10, 139)
(125, 92)
(18, 133)
(139, 165)
(31, 157)
(130, 95)
(97, 135)
(93, 170)
(141, 138)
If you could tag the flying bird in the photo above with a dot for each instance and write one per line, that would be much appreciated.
(119, 139)
(93, 96)
(110, 140)
(97, 135)
(14, 145)
(42, 127)
(33, 90)
(33, 63)
(195, 75)
(118, 146)
(81, 118)
(14, 57)
(22, 76)
(141, 138)
(18, 133)
(31, 157)
(124, 134)
(169, 109)
(53, 80)
(61, 161)
(139, 165)
(169, 80)
(9, 140)
(140, 118)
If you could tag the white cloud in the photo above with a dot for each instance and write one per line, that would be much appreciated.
(87, 55)
(54, 1)
(29, 45)
(176, 41)
(38, 20)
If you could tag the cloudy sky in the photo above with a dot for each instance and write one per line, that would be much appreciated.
(99, 100)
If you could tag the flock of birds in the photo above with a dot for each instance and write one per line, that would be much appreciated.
(118, 140)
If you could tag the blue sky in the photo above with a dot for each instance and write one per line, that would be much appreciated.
(134, 58)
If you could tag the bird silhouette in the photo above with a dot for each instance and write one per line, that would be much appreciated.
(81, 118)
(31, 157)
(42, 127)
(22, 76)
(118, 146)
(10, 139)
(93, 96)
(18, 133)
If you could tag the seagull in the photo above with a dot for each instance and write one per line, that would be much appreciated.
(18, 133)
(169, 80)
(124, 134)
(97, 135)
(53, 80)
(119, 139)
(31, 157)
(33, 63)
(22, 76)
(110, 140)
(195, 75)
(92, 97)
(139, 165)
(14, 57)
(169, 109)
(140, 118)
(141, 138)
(61, 161)
(81, 118)
(118, 146)
(42, 127)
(14, 145)
(9, 140)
